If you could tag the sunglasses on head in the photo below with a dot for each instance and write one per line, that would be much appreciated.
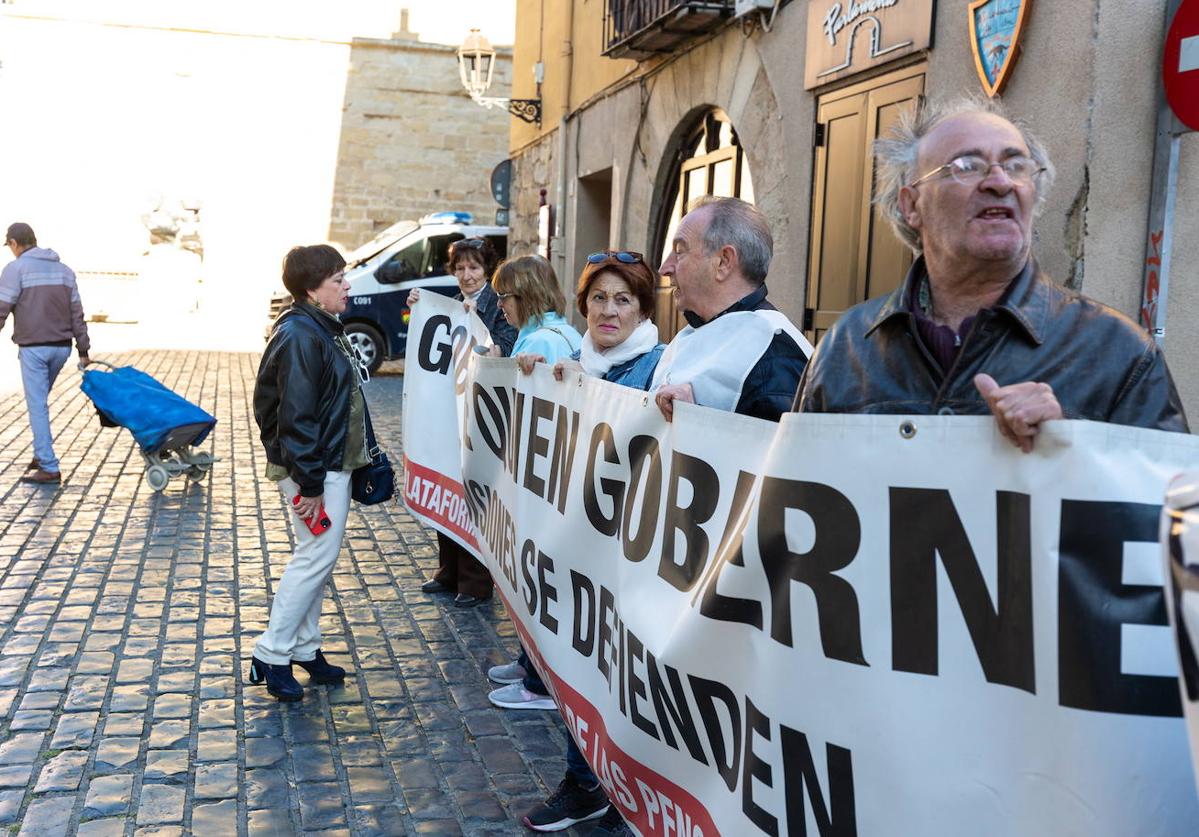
(472, 243)
(622, 256)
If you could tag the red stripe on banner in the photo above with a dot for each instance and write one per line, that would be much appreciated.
(443, 500)
(647, 799)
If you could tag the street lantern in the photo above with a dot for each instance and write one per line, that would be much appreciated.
(476, 65)
(476, 62)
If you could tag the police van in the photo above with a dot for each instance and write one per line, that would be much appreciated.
(381, 272)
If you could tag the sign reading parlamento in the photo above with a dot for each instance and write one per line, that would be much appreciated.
(848, 36)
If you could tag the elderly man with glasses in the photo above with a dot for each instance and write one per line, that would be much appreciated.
(976, 326)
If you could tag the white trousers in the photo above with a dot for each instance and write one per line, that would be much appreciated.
(294, 631)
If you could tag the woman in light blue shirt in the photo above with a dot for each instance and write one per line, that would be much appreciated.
(532, 301)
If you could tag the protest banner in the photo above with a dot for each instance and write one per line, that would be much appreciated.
(838, 624)
(441, 338)
(1180, 551)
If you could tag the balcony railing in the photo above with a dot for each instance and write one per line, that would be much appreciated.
(640, 28)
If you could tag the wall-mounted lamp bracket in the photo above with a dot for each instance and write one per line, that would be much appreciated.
(527, 110)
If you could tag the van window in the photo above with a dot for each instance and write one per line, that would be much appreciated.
(404, 265)
(439, 253)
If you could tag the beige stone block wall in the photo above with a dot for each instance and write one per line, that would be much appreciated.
(412, 141)
(532, 170)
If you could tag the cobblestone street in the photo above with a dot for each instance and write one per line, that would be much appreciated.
(127, 619)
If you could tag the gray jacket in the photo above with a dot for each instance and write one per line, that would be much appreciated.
(41, 290)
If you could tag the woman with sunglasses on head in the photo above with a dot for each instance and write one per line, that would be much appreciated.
(311, 413)
(471, 261)
(616, 294)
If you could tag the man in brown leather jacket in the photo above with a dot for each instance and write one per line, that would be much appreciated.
(976, 327)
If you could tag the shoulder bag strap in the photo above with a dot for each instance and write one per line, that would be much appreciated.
(560, 334)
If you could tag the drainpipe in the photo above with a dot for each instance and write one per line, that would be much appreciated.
(560, 198)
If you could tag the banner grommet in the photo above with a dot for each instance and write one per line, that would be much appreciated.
(907, 429)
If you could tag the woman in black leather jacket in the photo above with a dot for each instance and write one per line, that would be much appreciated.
(310, 412)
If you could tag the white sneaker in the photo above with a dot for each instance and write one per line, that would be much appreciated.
(505, 674)
(516, 696)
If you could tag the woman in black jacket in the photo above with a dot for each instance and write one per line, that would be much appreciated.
(310, 411)
(471, 262)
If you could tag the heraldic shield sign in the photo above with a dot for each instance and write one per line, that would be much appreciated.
(995, 29)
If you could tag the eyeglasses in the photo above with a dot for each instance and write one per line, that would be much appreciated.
(505, 297)
(970, 169)
(622, 256)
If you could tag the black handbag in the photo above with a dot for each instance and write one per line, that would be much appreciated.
(374, 482)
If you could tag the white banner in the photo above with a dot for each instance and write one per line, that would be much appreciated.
(1180, 549)
(441, 339)
(837, 624)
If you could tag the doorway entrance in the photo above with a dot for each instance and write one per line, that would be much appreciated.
(710, 161)
(853, 255)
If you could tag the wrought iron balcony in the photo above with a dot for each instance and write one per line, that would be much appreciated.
(640, 28)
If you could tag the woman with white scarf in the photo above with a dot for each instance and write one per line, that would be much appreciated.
(616, 295)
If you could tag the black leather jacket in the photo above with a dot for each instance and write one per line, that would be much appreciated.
(1102, 366)
(487, 306)
(302, 397)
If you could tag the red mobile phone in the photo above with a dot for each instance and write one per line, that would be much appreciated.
(319, 524)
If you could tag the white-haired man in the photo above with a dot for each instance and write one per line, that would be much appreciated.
(738, 352)
(976, 327)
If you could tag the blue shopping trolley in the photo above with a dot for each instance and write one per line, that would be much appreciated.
(166, 426)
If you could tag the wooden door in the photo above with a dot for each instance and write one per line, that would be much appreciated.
(853, 254)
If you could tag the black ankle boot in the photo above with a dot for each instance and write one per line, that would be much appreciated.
(320, 671)
(278, 679)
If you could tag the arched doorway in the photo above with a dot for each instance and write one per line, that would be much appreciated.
(710, 161)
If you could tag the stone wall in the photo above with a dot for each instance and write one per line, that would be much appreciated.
(412, 141)
(533, 169)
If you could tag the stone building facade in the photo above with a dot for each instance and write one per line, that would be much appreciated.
(625, 133)
(412, 141)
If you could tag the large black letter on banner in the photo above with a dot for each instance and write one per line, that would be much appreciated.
(705, 491)
(727, 758)
(644, 461)
(424, 354)
(500, 414)
(538, 445)
(583, 590)
(925, 524)
(610, 488)
(716, 605)
(838, 534)
(1093, 602)
(838, 818)
(672, 710)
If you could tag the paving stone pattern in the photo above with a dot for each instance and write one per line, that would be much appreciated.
(127, 619)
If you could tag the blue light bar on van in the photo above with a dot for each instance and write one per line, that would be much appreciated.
(447, 218)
